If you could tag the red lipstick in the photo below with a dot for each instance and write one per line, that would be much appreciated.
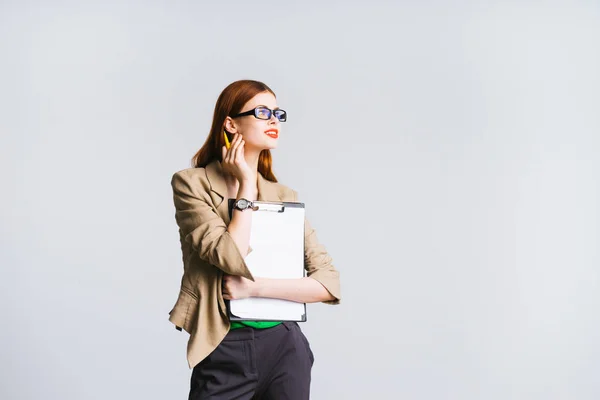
(273, 133)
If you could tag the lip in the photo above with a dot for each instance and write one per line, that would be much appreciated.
(273, 133)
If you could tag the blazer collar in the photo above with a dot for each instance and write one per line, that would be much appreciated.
(267, 190)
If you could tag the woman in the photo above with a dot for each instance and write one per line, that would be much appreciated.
(241, 360)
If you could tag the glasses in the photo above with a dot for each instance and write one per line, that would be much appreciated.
(262, 112)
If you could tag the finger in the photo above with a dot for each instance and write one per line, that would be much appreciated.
(234, 149)
(231, 149)
(226, 154)
(235, 145)
(239, 154)
(223, 152)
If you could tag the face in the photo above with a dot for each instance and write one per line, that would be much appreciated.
(258, 134)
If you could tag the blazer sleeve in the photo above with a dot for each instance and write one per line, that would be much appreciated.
(318, 263)
(203, 228)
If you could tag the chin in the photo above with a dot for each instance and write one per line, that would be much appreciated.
(270, 146)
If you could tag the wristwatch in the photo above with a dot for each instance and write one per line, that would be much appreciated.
(243, 204)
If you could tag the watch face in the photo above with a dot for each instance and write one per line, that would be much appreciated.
(242, 203)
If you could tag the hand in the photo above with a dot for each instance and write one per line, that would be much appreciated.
(234, 162)
(237, 287)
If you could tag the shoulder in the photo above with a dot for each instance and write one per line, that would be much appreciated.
(190, 179)
(190, 173)
(286, 193)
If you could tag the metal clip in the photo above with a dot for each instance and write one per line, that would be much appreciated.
(269, 207)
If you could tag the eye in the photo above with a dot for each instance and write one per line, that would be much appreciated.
(262, 112)
(281, 115)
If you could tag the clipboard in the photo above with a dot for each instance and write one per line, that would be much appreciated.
(277, 242)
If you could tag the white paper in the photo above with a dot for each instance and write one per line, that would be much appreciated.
(277, 241)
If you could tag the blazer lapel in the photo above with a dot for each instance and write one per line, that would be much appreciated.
(218, 187)
(267, 190)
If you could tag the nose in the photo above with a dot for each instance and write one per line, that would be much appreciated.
(273, 118)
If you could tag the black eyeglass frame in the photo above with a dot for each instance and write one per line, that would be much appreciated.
(271, 112)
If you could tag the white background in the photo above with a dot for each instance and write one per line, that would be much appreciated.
(447, 153)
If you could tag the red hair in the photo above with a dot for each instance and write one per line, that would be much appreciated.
(230, 102)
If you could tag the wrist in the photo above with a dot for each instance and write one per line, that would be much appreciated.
(246, 181)
(257, 286)
(247, 189)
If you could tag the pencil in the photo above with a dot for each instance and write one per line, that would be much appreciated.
(227, 144)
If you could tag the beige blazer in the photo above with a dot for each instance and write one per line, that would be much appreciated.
(201, 212)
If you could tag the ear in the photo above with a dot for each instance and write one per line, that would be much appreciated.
(230, 125)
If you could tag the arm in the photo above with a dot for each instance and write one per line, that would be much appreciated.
(318, 264)
(321, 285)
(203, 228)
(303, 290)
(241, 221)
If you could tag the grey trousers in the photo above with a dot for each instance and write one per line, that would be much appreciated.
(273, 363)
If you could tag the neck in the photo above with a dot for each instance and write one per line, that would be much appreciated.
(252, 157)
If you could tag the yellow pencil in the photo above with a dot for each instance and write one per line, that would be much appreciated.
(227, 144)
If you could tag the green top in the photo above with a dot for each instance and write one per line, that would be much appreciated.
(253, 324)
